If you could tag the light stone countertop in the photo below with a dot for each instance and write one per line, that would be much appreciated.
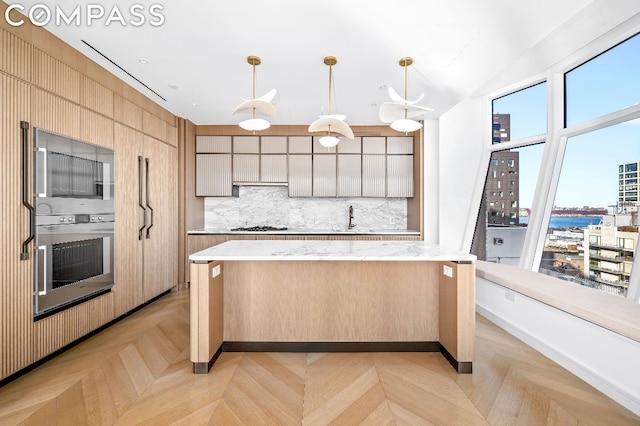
(305, 231)
(330, 250)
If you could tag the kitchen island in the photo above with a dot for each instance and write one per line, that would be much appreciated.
(322, 296)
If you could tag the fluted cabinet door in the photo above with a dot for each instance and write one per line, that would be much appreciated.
(273, 168)
(213, 175)
(373, 176)
(158, 252)
(400, 176)
(349, 175)
(129, 145)
(246, 167)
(324, 175)
(300, 176)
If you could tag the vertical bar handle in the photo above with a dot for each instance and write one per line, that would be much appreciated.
(26, 193)
(42, 272)
(140, 204)
(148, 205)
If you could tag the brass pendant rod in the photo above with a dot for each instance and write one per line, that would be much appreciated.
(405, 88)
(253, 65)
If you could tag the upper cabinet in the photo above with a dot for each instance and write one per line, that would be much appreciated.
(367, 166)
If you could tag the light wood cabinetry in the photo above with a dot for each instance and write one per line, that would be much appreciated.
(52, 86)
(146, 245)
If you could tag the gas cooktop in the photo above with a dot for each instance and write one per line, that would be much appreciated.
(258, 228)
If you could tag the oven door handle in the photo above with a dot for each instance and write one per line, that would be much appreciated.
(148, 205)
(140, 203)
(42, 272)
(42, 172)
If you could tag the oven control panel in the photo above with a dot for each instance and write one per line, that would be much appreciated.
(69, 219)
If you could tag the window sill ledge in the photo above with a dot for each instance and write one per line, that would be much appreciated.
(612, 312)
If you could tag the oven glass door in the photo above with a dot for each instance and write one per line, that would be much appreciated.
(72, 262)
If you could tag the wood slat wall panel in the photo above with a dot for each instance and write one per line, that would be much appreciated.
(58, 330)
(15, 56)
(96, 97)
(55, 114)
(96, 129)
(154, 126)
(172, 134)
(16, 276)
(126, 112)
(54, 76)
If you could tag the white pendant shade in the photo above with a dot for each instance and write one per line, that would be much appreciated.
(329, 141)
(401, 111)
(254, 124)
(405, 125)
(332, 123)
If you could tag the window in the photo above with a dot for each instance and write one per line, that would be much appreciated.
(521, 114)
(604, 84)
(510, 226)
(588, 219)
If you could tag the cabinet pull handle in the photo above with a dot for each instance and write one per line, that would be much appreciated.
(140, 204)
(26, 193)
(148, 205)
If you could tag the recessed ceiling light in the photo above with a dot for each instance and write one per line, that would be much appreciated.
(194, 104)
(374, 105)
(173, 86)
(143, 61)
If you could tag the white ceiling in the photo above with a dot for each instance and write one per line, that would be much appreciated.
(457, 46)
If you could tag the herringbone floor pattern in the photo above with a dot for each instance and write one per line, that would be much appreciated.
(138, 372)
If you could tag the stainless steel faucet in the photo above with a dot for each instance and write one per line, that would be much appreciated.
(351, 224)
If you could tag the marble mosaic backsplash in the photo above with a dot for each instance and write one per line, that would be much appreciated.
(271, 205)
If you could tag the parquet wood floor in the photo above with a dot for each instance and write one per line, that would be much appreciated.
(138, 372)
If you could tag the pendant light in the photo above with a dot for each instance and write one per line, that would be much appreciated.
(401, 111)
(331, 123)
(255, 106)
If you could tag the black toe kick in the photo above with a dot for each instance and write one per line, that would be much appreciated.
(460, 367)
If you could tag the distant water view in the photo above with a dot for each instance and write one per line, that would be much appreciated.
(581, 222)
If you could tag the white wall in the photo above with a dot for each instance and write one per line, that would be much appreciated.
(461, 151)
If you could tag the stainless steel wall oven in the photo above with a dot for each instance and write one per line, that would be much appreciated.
(74, 222)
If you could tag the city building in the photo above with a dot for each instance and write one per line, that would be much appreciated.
(628, 184)
(609, 249)
(502, 190)
(501, 128)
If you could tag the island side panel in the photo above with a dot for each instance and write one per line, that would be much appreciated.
(457, 310)
(207, 314)
(331, 301)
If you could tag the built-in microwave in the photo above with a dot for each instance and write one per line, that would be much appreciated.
(74, 226)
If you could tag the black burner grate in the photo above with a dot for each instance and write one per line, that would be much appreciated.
(259, 228)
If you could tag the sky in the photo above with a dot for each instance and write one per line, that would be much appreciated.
(589, 175)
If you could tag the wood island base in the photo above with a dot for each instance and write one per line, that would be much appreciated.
(332, 306)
